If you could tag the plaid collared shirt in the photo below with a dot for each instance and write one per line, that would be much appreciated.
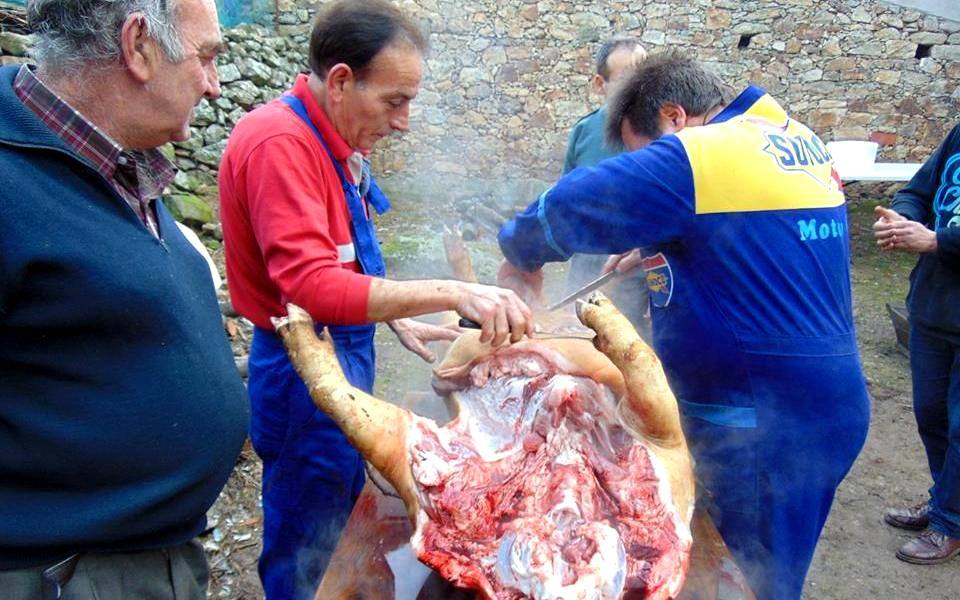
(139, 177)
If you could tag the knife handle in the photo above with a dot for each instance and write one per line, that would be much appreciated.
(469, 324)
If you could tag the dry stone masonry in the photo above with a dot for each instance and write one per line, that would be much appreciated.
(504, 82)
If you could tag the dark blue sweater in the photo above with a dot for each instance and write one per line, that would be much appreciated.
(933, 198)
(121, 409)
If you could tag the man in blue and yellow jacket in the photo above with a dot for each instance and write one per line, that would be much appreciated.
(743, 223)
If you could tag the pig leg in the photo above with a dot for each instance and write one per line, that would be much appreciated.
(650, 407)
(457, 256)
(377, 429)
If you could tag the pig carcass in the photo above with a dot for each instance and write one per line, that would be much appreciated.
(564, 475)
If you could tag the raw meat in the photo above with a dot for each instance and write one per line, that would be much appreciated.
(565, 475)
(537, 491)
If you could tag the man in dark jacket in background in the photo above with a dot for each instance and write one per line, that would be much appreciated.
(121, 409)
(923, 219)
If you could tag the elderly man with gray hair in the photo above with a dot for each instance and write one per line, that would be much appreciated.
(122, 412)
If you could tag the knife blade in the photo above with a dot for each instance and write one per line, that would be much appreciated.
(596, 283)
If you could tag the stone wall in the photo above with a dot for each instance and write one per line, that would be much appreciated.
(505, 90)
(255, 68)
(14, 40)
(504, 82)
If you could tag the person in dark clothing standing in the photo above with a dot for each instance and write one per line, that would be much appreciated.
(121, 409)
(923, 219)
(585, 148)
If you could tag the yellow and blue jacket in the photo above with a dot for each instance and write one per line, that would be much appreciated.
(744, 226)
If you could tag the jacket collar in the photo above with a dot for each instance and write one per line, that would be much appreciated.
(338, 146)
(19, 125)
(753, 102)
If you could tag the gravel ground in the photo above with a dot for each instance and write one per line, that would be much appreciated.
(855, 558)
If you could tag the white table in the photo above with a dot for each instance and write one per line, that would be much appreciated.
(880, 172)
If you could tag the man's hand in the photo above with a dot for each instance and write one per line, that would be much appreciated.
(894, 232)
(414, 336)
(623, 263)
(529, 286)
(500, 312)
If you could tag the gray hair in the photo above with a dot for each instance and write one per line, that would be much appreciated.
(72, 34)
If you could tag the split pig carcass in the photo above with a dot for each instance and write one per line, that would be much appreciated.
(564, 475)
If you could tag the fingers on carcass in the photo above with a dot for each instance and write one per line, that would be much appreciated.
(650, 407)
(377, 429)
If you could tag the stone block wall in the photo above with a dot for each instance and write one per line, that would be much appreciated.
(515, 84)
(14, 38)
(256, 67)
(504, 82)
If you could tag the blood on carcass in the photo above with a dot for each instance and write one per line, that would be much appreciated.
(566, 474)
(536, 490)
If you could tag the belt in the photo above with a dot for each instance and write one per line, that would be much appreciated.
(53, 578)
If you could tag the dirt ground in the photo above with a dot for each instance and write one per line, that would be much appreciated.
(855, 557)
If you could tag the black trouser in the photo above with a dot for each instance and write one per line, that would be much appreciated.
(175, 573)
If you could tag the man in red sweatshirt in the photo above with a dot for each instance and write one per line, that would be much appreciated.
(296, 195)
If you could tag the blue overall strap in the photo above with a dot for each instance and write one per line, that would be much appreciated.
(364, 237)
(372, 192)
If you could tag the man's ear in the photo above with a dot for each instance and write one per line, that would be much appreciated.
(339, 76)
(672, 117)
(599, 85)
(140, 52)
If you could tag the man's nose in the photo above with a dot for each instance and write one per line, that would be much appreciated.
(401, 121)
(213, 82)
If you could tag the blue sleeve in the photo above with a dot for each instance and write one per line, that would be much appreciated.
(636, 199)
(6, 278)
(915, 200)
(948, 245)
(3, 294)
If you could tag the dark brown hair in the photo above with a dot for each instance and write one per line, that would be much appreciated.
(353, 32)
(665, 77)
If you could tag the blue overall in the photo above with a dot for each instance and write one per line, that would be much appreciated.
(747, 260)
(311, 475)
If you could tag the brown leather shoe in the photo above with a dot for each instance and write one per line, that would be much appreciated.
(914, 518)
(929, 548)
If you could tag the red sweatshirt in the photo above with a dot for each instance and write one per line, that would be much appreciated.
(286, 224)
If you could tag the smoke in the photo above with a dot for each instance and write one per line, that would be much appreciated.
(487, 135)
(769, 487)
